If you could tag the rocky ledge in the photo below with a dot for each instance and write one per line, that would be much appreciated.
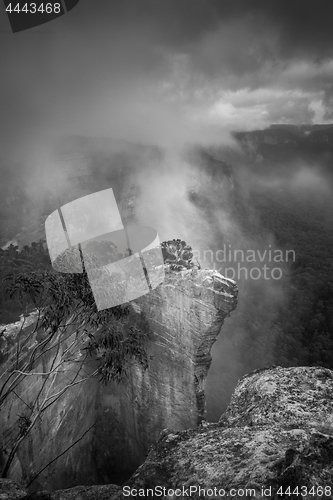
(277, 433)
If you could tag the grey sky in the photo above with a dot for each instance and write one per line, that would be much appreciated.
(165, 71)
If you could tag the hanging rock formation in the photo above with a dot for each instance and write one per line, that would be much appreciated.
(184, 315)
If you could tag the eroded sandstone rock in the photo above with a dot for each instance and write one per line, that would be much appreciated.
(276, 433)
(184, 314)
(10, 490)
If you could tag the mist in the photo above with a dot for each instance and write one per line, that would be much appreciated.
(131, 92)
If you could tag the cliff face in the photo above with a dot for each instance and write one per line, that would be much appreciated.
(184, 315)
(60, 425)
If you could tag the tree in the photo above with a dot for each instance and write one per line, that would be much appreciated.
(177, 254)
(68, 329)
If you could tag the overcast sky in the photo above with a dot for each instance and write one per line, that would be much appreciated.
(166, 71)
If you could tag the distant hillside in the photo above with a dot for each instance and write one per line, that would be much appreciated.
(286, 143)
(290, 134)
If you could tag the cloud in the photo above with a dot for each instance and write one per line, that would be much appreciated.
(247, 109)
(165, 72)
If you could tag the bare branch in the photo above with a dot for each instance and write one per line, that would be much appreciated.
(60, 455)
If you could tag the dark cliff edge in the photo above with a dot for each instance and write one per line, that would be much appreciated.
(275, 440)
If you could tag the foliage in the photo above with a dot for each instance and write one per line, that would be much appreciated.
(177, 254)
(66, 309)
(298, 329)
(67, 299)
(14, 262)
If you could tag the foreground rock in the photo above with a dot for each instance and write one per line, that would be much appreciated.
(276, 433)
(98, 492)
(11, 491)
